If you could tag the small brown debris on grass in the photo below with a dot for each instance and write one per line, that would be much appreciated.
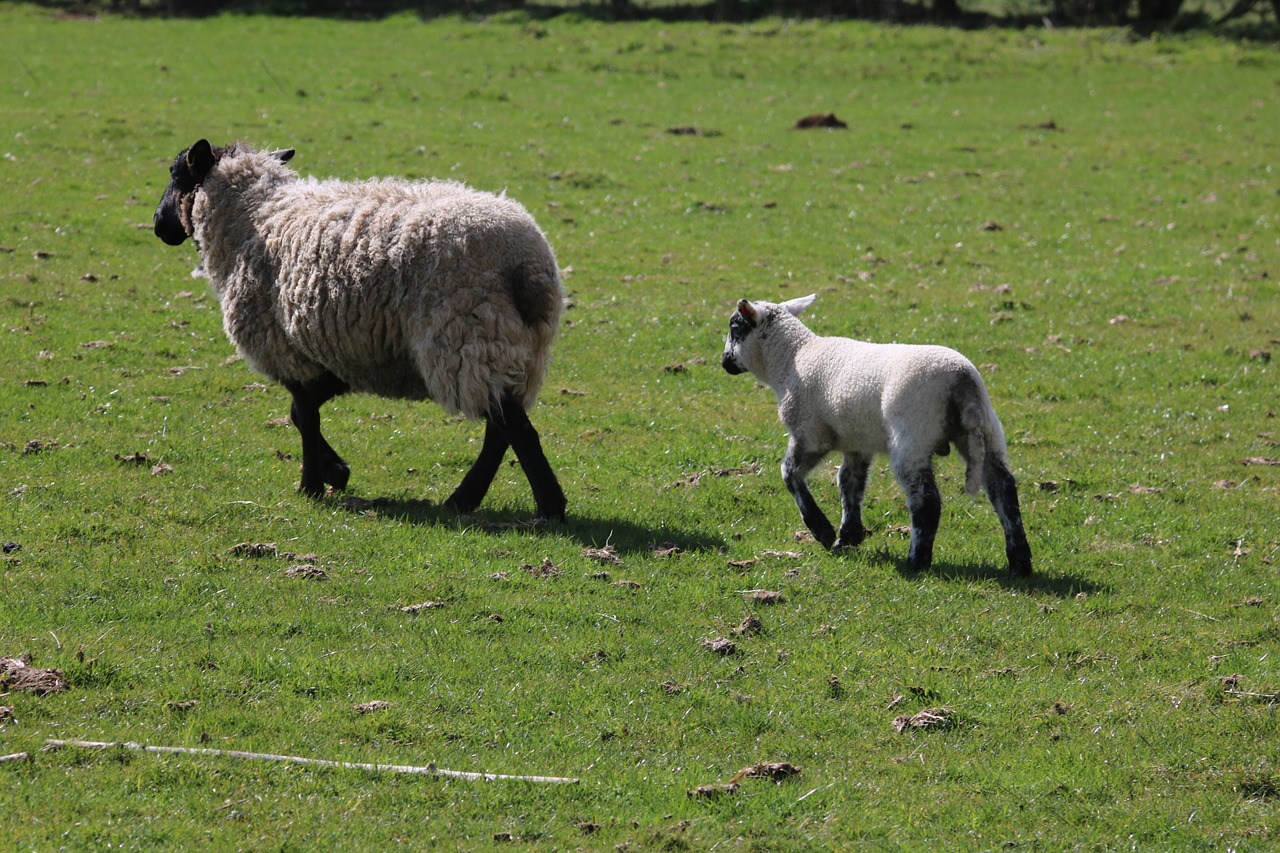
(184, 705)
(1139, 489)
(421, 606)
(684, 130)
(16, 674)
(708, 792)
(545, 570)
(1254, 601)
(587, 826)
(6, 714)
(674, 367)
(742, 564)
(673, 688)
(763, 596)
(722, 646)
(1260, 460)
(161, 468)
(607, 555)
(666, 549)
(775, 770)
(134, 459)
(930, 718)
(253, 549)
(751, 624)
(991, 225)
(1225, 484)
(370, 707)
(820, 120)
(628, 584)
(95, 344)
(695, 479)
(1059, 709)
(307, 572)
(786, 555)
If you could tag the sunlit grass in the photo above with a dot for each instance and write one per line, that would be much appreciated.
(1092, 220)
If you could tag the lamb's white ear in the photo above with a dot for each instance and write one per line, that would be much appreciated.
(795, 307)
(748, 311)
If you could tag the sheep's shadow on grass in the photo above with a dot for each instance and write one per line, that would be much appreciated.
(624, 535)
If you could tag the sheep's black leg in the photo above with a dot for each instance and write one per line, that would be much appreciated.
(925, 503)
(476, 483)
(853, 484)
(320, 463)
(1002, 489)
(508, 425)
(795, 474)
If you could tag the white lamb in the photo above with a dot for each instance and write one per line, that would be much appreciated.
(410, 290)
(859, 398)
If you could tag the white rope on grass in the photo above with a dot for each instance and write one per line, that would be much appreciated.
(427, 770)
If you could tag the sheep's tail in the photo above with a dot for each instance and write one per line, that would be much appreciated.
(538, 296)
(980, 431)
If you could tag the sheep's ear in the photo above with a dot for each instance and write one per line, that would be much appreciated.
(795, 307)
(284, 155)
(748, 311)
(200, 159)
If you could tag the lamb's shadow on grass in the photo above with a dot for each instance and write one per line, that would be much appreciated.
(623, 534)
(1052, 583)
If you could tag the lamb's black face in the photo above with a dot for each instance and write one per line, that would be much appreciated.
(741, 325)
(173, 214)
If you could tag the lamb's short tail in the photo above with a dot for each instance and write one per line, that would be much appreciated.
(980, 432)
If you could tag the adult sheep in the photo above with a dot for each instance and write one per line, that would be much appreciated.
(402, 289)
(860, 398)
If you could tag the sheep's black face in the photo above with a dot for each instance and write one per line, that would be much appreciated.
(741, 325)
(173, 214)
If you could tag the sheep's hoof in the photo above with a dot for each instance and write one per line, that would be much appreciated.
(337, 473)
(312, 490)
(1020, 567)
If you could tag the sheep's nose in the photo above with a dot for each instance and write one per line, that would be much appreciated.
(731, 367)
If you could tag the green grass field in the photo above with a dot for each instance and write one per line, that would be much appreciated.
(1093, 219)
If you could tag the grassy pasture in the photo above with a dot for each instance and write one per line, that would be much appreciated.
(1094, 221)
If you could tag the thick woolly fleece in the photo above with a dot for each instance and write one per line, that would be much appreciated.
(400, 289)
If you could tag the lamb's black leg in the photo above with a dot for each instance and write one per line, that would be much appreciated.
(853, 484)
(795, 474)
(476, 483)
(320, 463)
(513, 425)
(925, 503)
(1002, 490)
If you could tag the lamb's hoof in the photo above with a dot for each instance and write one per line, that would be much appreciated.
(848, 542)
